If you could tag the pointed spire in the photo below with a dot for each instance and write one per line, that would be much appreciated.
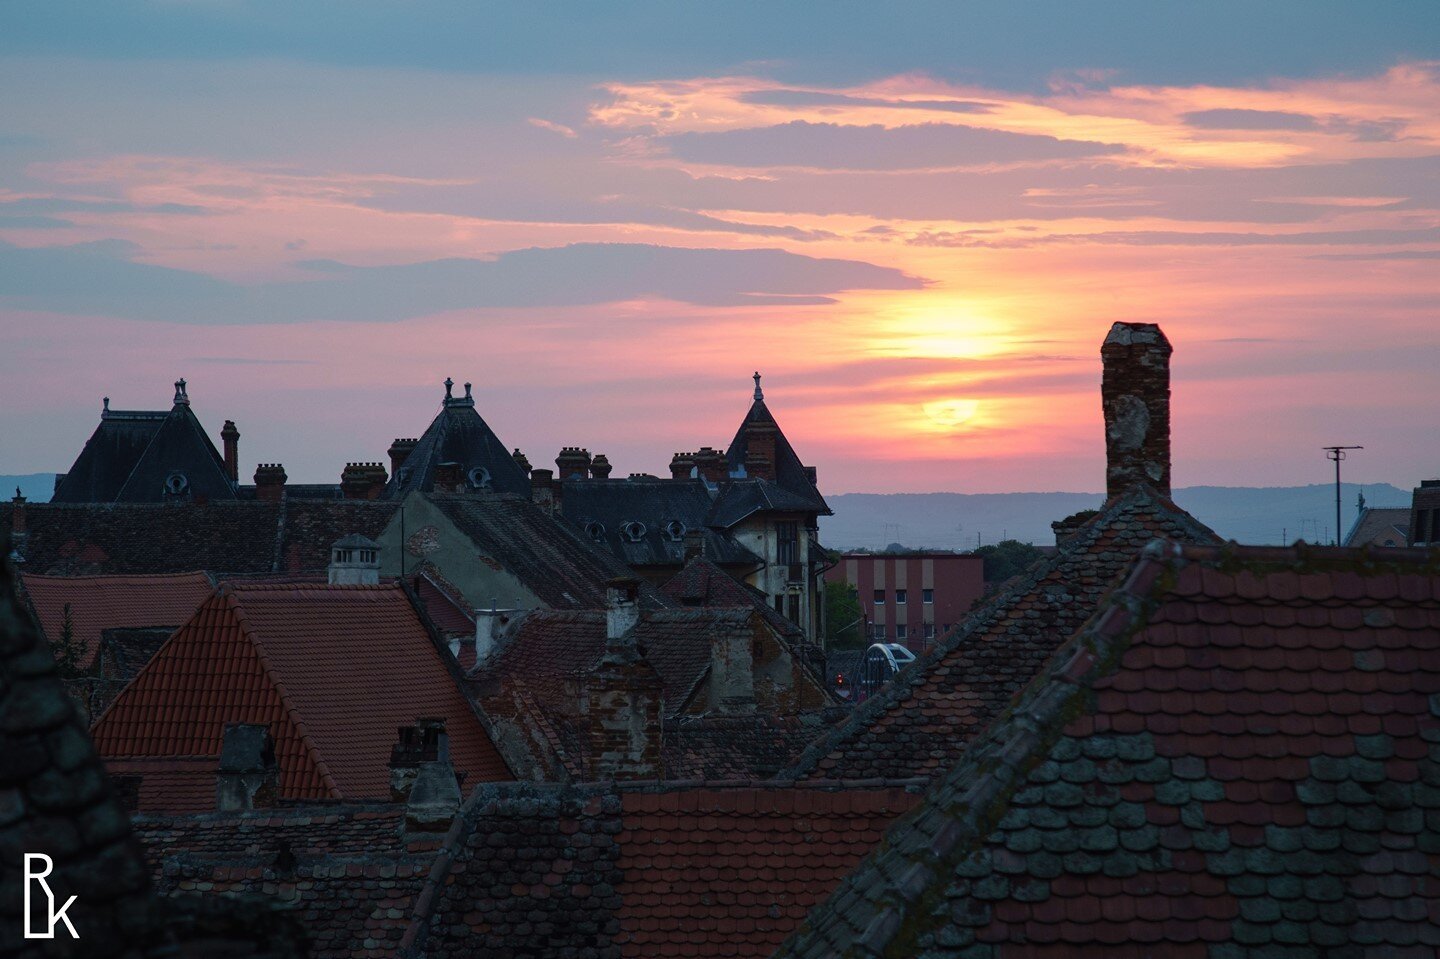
(181, 397)
(759, 393)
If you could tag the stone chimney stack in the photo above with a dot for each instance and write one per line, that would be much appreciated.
(573, 463)
(1424, 513)
(448, 478)
(600, 466)
(424, 742)
(711, 465)
(694, 544)
(354, 561)
(270, 481)
(400, 451)
(1135, 391)
(230, 437)
(542, 489)
(248, 777)
(521, 460)
(362, 480)
(622, 611)
(681, 464)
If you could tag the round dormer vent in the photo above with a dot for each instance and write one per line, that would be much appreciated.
(633, 531)
(176, 483)
(674, 531)
(595, 531)
(479, 478)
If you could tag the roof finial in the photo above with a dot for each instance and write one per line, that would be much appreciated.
(104, 406)
(181, 397)
(467, 392)
(449, 387)
(759, 394)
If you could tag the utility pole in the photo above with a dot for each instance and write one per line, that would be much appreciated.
(1337, 455)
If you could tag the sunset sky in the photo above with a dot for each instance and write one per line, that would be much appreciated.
(917, 221)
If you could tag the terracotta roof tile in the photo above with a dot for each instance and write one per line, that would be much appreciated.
(332, 670)
(98, 603)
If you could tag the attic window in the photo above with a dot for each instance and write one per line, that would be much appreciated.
(633, 531)
(479, 478)
(595, 531)
(367, 556)
(176, 483)
(674, 531)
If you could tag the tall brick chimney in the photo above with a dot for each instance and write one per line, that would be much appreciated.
(623, 695)
(542, 489)
(1135, 391)
(681, 464)
(521, 460)
(400, 451)
(448, 478)
(573, 462)
(711, 465)
(362, 481)
(600, 466)
(760, 451)
(270, 481)
(248, 777)
(230, 437)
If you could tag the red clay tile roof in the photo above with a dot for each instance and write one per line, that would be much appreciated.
(347, 871)
(919, 725)
(1239, 754)
(689, 870)
(445, 611)
(702, 583)
(98, 603)
(332, 670)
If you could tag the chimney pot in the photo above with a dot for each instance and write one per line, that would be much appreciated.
(521, 460)
(1135, 393)
(573, 463)
(270, 481)
(681, 464)
(362, 481)
(600, 466)
(230, 437)
(400, 451)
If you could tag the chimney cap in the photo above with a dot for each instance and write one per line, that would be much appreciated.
(182, 398)
(1137, 334)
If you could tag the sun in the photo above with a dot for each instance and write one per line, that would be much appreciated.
(950, 414)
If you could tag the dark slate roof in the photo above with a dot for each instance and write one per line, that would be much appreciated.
(350, 871)
(1238, 755)
(919, 724)
(790, 474)
(227, 537)
(458, 434)
(702, 583)
(600, 872)
(554, 561)
(656, 503)
(131, 454)
(1373, 525)
(718, 747)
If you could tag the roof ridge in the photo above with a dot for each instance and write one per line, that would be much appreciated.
(993, 766)
(248, 629)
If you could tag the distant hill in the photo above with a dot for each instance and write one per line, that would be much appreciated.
(954, 520)
(36, 487)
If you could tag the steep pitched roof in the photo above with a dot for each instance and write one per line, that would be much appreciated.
(133, 454)
(695, 870)
(1238, 752)
(553, 560)
(98, 603)
(1374, 526)
(244, 537)
(791, 475)
(332, 670)
(919, 724)
(459, 435)
(702, 583)
(603, 508)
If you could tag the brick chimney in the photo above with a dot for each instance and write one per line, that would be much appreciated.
(400, 451)
(1424, 513)
(424, 742)
(270, 481)
(1135, 391)
(230, 438)
(362, 480)
(681, 464)
(760, 451)
(248, 777)
(694, 544)
(711, 465)
(623, 696)
(600, 466)
(542, 489)
(573, 463)
(521, 460)
(17, 514)
(732, 673)
(448, 478)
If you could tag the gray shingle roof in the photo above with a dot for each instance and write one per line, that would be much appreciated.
(459, 435)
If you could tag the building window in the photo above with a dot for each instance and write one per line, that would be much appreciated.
(877, 632)
(929, 630)
(879, 597)
(927, 595)
(899, 597)
(902, 632)
(792, 608)
(787, 543)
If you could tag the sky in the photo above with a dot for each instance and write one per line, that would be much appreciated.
(918, 221)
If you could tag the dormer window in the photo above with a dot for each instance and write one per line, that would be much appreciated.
(479, 478)
(633, 531)
(674, 531)
(595, 531)
(176, 483)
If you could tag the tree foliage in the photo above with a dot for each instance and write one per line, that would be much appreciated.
(1007, 558)
(67, 649)
(844, 619)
